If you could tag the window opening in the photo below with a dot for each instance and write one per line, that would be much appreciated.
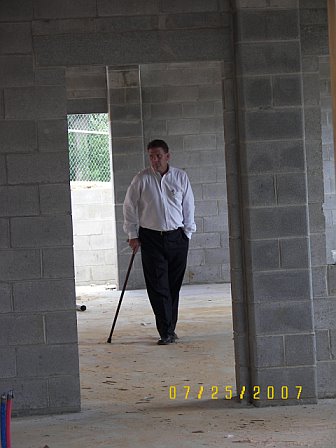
(89, 153)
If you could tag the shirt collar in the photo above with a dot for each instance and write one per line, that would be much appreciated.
(157, 174)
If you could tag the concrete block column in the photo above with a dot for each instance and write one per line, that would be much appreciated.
(128, 155)
(236, 229)
(321, 195)
(38, 335)
(274, 205)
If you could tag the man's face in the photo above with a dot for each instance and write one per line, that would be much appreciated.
(158, 159)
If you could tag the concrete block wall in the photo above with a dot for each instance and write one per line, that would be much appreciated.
(271, 51)
(312, 22)
(86, 90)
(117, 34)
(274, 202)
(38, 337)
(329, 205)
(152, 31)
(94, 233)
(236, 227)
(182, 104)
(319, 144)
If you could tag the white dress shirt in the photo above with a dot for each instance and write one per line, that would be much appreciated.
(159, 202)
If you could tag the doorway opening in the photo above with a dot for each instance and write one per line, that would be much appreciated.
(180, 103)
(92, 199)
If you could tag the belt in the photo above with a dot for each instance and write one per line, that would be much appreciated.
(162, 232)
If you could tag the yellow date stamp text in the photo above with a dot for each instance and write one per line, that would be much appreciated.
(270, 392)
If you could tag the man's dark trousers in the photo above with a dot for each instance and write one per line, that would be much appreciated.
(164, 261)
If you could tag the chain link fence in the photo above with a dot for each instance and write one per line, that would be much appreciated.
(89, 153)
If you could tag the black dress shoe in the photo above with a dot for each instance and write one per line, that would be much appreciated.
(165, 341)
(173, 337)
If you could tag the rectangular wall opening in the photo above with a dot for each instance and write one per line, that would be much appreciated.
(92, 199)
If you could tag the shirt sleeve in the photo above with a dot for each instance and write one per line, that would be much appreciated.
(130, 209)
(188, 209)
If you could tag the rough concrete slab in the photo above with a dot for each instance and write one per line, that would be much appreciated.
(126, 402)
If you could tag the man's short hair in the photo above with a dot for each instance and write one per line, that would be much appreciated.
(158, 144)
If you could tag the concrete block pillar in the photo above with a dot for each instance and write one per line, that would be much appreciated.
(236, 230)
(321, 195)
(274, 218)
(128, 155)
(38, 336)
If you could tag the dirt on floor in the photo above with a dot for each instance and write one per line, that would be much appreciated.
(138, 394)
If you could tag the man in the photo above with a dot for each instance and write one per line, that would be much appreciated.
(159, 216)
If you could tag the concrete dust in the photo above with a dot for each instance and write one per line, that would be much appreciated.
(136, 393)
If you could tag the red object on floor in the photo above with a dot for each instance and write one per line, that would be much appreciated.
(8, 419)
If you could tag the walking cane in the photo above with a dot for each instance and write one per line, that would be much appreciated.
(121, 297)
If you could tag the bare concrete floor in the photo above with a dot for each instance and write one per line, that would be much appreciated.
(126, 385)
